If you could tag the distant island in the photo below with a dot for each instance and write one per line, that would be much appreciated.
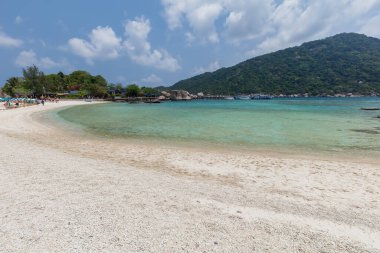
(346, 63)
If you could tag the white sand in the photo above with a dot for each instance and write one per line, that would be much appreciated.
(61, 191)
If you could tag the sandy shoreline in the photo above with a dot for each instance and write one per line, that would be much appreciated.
(60, 191)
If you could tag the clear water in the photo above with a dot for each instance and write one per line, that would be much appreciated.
(329, 125)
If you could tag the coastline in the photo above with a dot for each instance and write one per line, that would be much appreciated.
(65, 192)
(292, 152)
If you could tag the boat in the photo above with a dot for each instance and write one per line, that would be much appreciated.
(243, 97)
(370, 108)
(229, 98)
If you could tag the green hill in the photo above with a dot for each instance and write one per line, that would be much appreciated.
(344, 63)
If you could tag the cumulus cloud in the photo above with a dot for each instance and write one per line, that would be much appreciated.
(297, 21)
(7, 41)
(139, 49)
(29, 57)
(210, 68)
(202, 21)
(246, 20)
(103, 44)
(270, 25)
(200, 15)
(243, 19)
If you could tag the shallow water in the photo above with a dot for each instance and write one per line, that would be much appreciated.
(315, 125)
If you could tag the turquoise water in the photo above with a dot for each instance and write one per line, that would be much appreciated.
(329, 125)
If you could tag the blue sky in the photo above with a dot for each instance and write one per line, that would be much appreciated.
(159, 42)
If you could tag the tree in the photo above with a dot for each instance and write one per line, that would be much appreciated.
(34, 80)
(55, 83)
(132, 90)
(21, 91)
(119, 88)
(11, 85)
(94, 86)
(148, 91)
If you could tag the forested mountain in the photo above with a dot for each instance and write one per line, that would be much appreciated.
(344, 63)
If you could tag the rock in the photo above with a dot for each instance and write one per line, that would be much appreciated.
(200, 94)
(162, 97)
(165, 94)
(180, 95)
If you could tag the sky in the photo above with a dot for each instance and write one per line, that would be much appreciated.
(159, 42)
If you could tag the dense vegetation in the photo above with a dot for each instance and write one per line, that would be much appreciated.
(78, 84)
(344, 63)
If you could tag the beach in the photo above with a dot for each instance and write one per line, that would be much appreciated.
(65, 191)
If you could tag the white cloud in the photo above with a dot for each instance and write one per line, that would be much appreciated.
(29, 58)
(19, 20)
(243, 19)
(371, 28)
(202, 21)
(201, 16)
(297, 21)
(140, 50)
(246, 20)
(7, 41)
(152, 79)
(26, 58)
(103, 44)
(270, 25)
(210, 68)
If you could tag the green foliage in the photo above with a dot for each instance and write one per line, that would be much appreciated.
(94, 86)
(119, 88)
(345, 63)
(132, 90)
(21, 91)
(56, 82)
(148, 91)
(35, 83)
(34, 80)
(11, 86)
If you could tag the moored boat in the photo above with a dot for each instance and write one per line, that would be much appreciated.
(242, 97)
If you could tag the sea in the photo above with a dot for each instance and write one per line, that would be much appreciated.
(328, 126)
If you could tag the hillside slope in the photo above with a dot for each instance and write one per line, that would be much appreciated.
(344, 63)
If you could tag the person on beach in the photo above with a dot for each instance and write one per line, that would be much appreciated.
(43, 102)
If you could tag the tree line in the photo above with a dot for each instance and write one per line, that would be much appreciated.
(79, 84)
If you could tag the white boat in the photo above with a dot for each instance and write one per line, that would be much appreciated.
(229, 98)
(243, 97)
